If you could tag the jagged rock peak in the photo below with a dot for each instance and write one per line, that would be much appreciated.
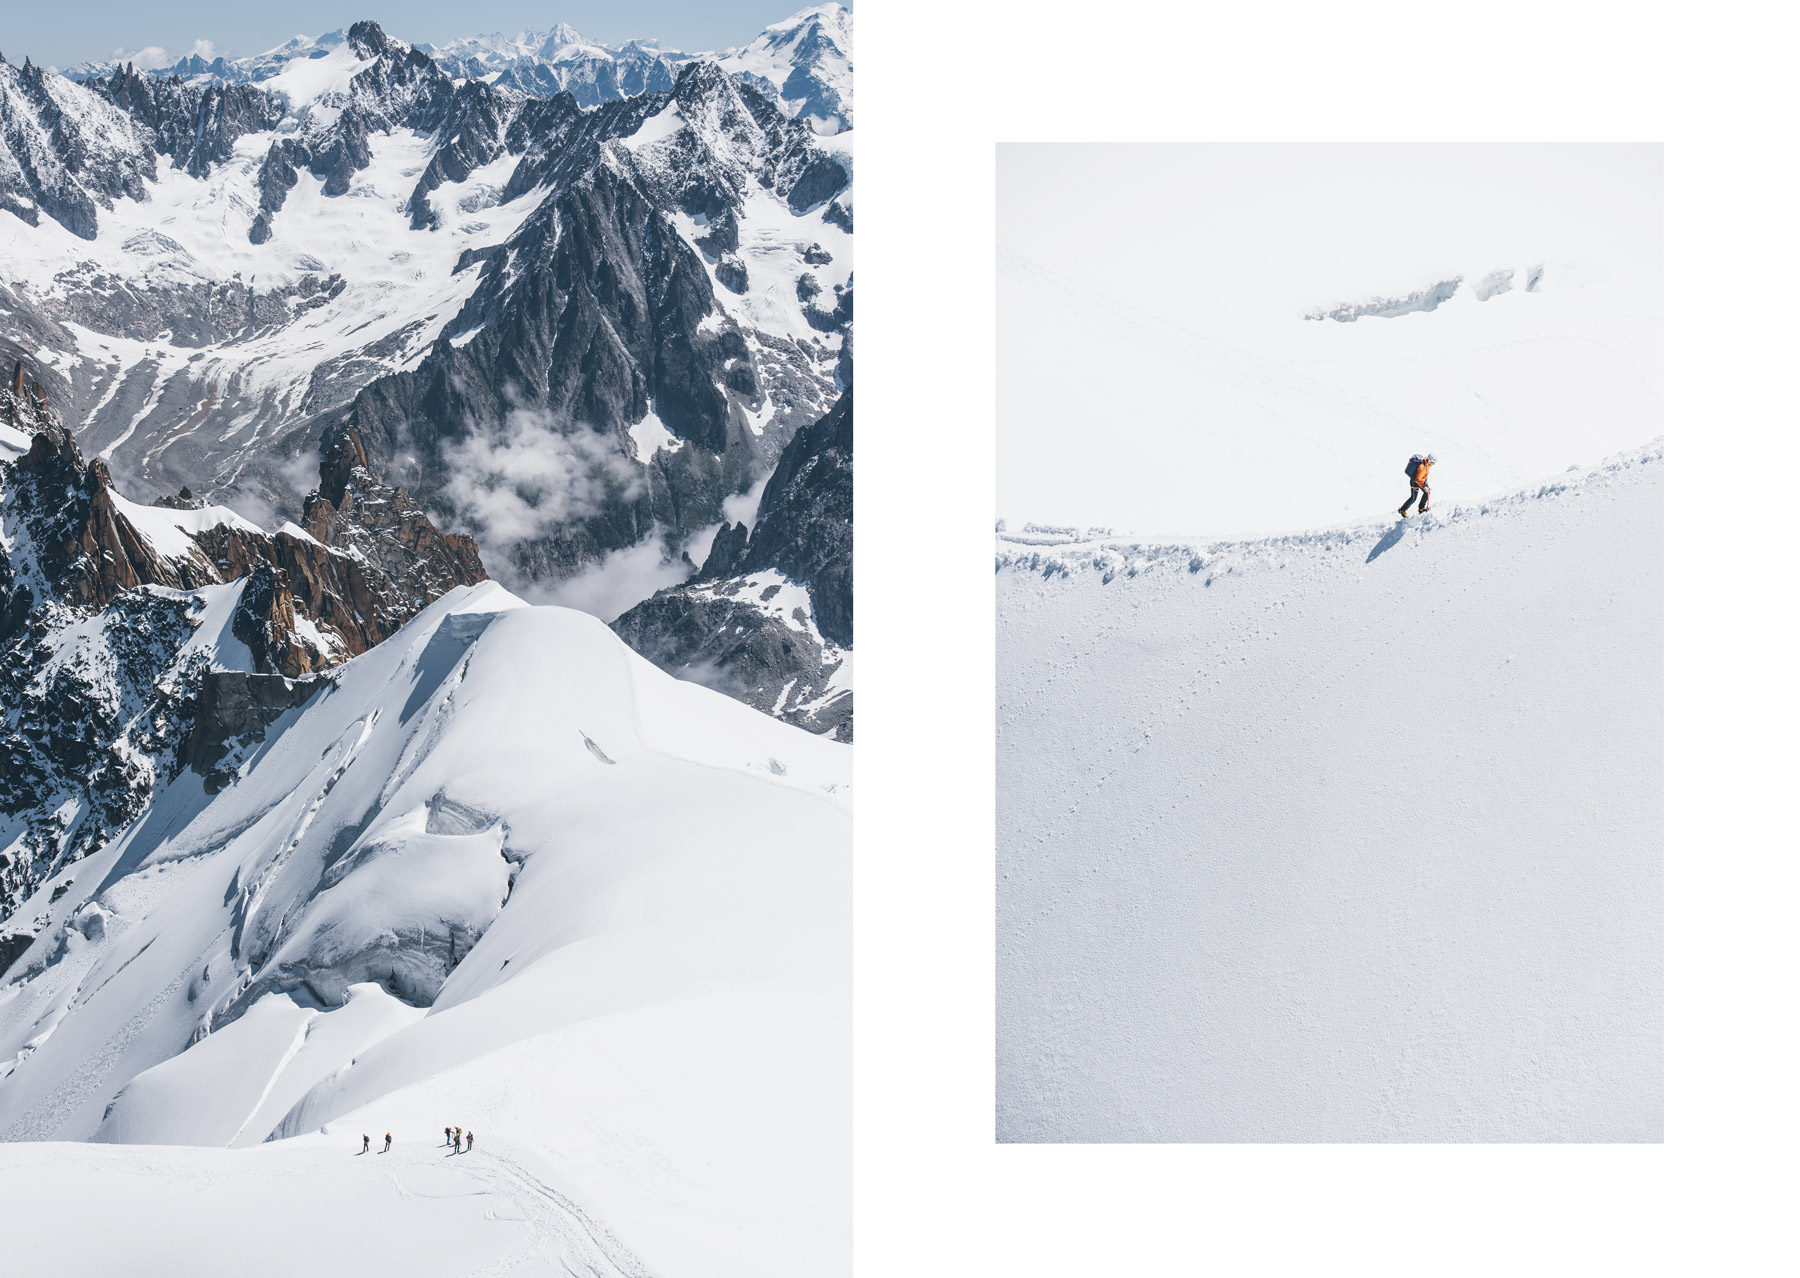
(342, 454)
(368, 40)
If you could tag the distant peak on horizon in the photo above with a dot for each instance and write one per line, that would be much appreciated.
(562, 34)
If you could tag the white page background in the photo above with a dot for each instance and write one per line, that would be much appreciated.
(937, 86)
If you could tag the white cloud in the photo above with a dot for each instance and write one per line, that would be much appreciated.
(149, 58)
(740, 508)
(614, 585)
(518, 480)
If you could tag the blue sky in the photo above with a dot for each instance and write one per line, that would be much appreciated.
(60, 35)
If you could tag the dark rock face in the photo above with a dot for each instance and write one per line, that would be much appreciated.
(195, 127)
(235, 706)
(723, 634)
(737, 625)
(598, 312)
(101, 699)
(600, 317)
(12, 944)
(804, 523)
(83, 724)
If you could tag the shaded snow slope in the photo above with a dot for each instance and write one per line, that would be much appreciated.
(1347, 836)
(504, 873)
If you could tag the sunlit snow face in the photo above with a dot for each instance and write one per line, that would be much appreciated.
(1501, 304)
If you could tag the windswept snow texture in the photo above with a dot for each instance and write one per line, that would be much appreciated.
(1350, 836)
(504, 874)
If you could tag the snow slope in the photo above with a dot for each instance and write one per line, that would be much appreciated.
(505, 874)
(203, 1212)
(1261, 421)
(1346, 836)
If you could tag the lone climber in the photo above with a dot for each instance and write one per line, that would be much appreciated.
(1418, 470)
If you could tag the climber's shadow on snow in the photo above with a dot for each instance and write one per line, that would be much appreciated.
(1387, 543)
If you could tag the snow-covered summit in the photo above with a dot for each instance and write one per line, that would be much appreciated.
(806, 62)
(562, 60)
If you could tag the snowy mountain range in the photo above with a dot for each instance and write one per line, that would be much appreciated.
(803, 64)
(309, 828)
(214, 278)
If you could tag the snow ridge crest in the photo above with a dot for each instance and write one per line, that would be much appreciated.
(1051, 551)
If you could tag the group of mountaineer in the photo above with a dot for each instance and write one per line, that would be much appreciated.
(453, 1136)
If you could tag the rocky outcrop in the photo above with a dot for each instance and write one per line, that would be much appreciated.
(87, 552)
(769, 617)
(93, 705)
(13, 942)
(24, 404)
(381, 526)
(183, 500)
(105, 692)
(234, 708)
(750, 637)
(805, 524)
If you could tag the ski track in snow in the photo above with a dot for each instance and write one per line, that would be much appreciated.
(564, 1232)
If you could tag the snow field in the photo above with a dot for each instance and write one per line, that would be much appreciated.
(1269, 422)
(300, 1209)
(1351, 836)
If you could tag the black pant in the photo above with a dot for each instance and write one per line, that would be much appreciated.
(1420, 495)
